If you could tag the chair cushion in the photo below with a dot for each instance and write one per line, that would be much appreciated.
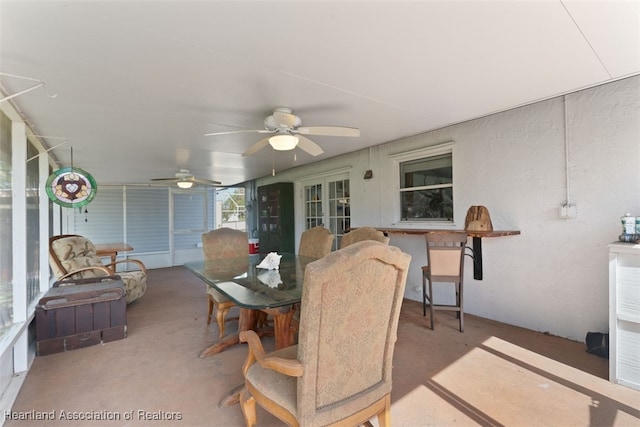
(79, 262)
(135, 284)
(281, 389)
(217, 296)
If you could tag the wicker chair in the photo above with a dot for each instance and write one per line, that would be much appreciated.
(350, 307)
(363, 233)
(220, 244)
(72, 256)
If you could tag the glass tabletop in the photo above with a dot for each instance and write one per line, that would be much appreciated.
(251, 287)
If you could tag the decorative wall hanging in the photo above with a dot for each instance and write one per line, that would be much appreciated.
(71, 187)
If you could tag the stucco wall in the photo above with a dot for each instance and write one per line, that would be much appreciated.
(554, 276)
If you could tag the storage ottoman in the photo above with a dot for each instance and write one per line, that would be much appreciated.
(85, 313)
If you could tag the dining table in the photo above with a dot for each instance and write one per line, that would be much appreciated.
(254, 290)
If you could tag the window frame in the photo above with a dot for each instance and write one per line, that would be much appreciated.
(421, 154)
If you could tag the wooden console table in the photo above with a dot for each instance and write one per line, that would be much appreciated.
(111, 250)
(476, 235)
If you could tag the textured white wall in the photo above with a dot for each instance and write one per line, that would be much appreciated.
(554, 276)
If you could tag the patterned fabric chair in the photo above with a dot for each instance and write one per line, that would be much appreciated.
(74, 256)
(340, 371)
(315, 243)
(223, 243)
(363, 233)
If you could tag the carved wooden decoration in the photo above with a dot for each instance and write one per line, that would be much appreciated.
(478, 219)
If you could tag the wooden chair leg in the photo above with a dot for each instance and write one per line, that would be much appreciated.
(424, 295)
(210, 309)
(460, 304)
(248, 405)
(431, 309)
(220, 315)
(384, 417)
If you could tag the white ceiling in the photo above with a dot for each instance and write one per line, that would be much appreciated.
(138, 84)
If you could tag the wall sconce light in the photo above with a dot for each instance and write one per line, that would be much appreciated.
(283, 142)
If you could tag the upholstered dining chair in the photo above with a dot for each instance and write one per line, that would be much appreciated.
(363, 233)
(445, 264)
(340, 370)
(223, 243)
(72, 256)
(315, 242)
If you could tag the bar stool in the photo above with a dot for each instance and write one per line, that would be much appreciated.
(445, 264)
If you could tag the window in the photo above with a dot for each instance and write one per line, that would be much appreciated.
(6, 227)
(229, 208)
(33, 225)
(426, 188)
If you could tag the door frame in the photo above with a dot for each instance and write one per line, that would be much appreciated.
(299, 202)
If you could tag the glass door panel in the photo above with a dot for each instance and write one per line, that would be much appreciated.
(327, 203)
(313, 206)
(339, 209)
(188, 222)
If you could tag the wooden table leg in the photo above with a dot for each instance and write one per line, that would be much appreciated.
(282, 325)
(247, 321)
(220, 346)
(232, 397)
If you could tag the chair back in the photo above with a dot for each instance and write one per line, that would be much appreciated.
(71, 252)
(363, 233)
(315, 242)
(348, 323)
(445, 256)
(225, 243)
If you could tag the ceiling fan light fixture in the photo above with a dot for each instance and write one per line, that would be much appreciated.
(283, 142)
(184, 184)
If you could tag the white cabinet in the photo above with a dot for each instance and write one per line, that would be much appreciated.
(624, 314)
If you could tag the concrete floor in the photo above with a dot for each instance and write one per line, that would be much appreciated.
(492, 374)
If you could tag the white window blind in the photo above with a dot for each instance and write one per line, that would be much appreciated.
(101, 221)
(148, 219)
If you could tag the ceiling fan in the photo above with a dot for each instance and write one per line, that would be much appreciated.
(287, 133)
(184, 179)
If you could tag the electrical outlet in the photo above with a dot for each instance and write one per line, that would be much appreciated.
(568, 211)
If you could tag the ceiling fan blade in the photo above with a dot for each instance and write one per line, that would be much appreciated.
(285, 119)
(165, 179)
(206, 182)
(257, 146)
(231, 132)
(309, 146)
(329, 131)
